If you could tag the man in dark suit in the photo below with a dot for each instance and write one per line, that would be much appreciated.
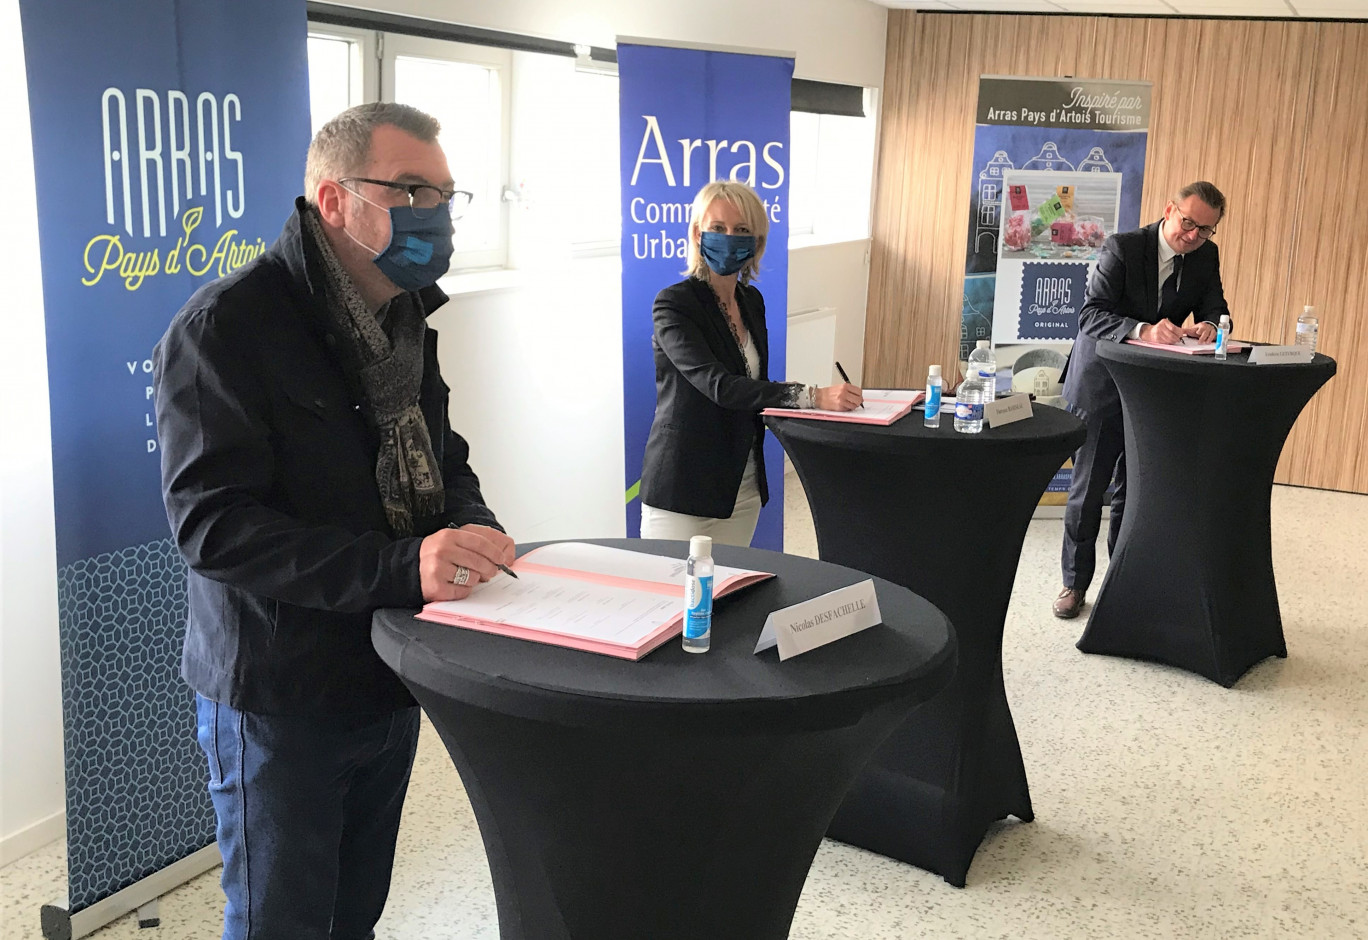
(1145, 285)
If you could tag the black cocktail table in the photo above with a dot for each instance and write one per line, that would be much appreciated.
(684, 795)
(943, 514)
(1191, 581)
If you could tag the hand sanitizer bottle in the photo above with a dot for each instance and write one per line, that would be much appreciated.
(698, 595)
(934, 384)
(1222, 336)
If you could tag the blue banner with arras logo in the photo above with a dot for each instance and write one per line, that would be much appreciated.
(169, 140)
(687, 117)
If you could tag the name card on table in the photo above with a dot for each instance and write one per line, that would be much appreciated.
(821, 620)
(1279, 355)
(1006, 410)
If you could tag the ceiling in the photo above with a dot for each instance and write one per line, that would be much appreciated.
(1289, 9)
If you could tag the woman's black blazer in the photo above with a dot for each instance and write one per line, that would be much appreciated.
(707, 417)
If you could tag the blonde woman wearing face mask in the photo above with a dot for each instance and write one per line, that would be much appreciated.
(704, 472)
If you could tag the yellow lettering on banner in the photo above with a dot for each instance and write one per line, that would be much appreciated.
(137, 265)
(133, 266)
(189, 223)
(107, 253)
(113, 248)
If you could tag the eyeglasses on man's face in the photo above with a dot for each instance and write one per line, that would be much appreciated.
(1187, 225)
(423, 198)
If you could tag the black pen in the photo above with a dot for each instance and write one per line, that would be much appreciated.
(504, 568)
(846, 379)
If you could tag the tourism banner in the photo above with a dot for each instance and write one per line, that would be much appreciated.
(169, 140)
(689, 116)
(1058, 166)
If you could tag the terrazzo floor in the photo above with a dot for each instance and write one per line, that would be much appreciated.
(1166, 806)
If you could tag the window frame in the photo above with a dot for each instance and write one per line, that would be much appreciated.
(365, 76)
(599, 247)
(394, 45)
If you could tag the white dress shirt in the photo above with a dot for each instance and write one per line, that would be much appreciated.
(1166, 256)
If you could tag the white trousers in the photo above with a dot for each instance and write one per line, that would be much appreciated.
(738, 530)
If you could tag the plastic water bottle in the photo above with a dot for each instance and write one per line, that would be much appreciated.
(934, 384)
(698, 595)
(1222, 336)
(1307, 327)
(983, 366)
(969, 405)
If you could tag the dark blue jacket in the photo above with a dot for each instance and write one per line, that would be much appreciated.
(268, 473)
(1123, 291)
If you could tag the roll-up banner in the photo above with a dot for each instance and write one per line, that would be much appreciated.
(689, 116)
(1058, 166)
(169, 140)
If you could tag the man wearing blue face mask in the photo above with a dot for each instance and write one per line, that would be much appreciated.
(310, 476)
(704, 469)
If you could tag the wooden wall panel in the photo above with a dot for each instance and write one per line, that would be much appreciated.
(1329, 263)
(1266, 110)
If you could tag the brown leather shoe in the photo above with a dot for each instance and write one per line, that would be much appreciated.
(1067, 605)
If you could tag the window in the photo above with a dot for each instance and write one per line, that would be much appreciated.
(593, 160)
(831, 172)
(534, 137)
(466, 89)
(337, 71)
(802, 172)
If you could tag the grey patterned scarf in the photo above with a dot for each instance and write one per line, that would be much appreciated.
(388, 367)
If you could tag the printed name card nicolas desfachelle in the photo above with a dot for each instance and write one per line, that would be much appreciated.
(821, 620)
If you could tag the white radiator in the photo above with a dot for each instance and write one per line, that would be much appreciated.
(812, 346)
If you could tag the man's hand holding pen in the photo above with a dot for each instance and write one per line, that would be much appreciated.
(452, 561)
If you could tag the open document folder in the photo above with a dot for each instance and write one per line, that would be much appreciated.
(881, 406)
(588, 597)
(1189, 346)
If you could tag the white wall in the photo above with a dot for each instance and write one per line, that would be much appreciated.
(535, 369)
(835, 276)
(31, 797)
(835, 40)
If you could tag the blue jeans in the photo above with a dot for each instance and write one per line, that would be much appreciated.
(308, 813)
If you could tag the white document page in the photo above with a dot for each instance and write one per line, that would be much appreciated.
(879, 408)
(571, 608)
(889, 394)
(620, 563)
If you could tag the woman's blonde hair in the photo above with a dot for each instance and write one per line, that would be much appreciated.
(752, 211)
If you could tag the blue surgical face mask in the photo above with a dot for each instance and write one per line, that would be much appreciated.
(419, 249)
(726, 254)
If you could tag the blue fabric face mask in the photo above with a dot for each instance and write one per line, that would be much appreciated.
(419, 249)
(726, 254)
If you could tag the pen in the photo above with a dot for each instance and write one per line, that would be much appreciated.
(504, 568)
(846, 379)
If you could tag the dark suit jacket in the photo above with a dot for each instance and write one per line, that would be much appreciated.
(268, 473)
(1124, 291)
(707, 417)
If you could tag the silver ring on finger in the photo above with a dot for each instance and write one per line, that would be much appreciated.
(462, 576)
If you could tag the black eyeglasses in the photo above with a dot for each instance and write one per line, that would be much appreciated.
(1206, 231)
(424, 199)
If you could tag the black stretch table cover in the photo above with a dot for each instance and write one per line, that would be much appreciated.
(1191, 582)
(943, 514)
(684, 795)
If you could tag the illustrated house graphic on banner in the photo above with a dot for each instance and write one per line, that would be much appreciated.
(990, 202)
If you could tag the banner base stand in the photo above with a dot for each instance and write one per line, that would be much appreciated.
(149, 915)
(59, 923)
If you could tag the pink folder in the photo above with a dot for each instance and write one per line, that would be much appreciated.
(610, 578)
(881, 408)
